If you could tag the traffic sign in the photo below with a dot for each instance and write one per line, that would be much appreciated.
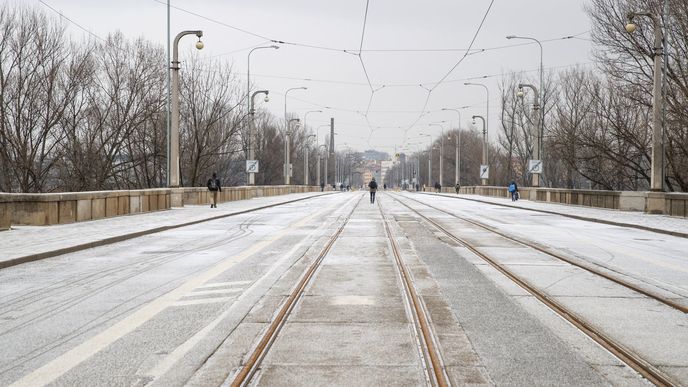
(535, 166)
(484, 171)
(252, 166)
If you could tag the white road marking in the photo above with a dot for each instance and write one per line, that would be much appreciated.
(203, 301)
(213, 291)
(54, 369)
(225, 284)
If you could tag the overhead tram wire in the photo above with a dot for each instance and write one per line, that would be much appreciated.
(465, 55)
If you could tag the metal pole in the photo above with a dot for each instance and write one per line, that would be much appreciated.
(249, 102)
(456, 161)
(174, 130)
(537, 126)
(287, 177)
(167, 100)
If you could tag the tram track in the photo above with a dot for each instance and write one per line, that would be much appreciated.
(587, 266)
(428, 349)
(626, 355)
(113, 276)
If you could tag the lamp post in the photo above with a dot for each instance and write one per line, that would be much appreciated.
(542, 113)
(657, 169)
(483, 181)
(287, 165)
(173, 134)
(249, 102)
(441, 150)
(457, 140)
(287, 175)
(487, 112)
(251, 125)
(305, 160)
(318, 169)
(537, 126)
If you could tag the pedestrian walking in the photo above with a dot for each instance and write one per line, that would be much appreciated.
(438, 187)
(214, 187)
(322, 187)
(458, 188)
(513, 189)
(373, 188)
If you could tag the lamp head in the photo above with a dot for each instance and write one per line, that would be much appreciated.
(519, 93)
(199, 44)
(630, 26)
(511, 37)
(275, 47)
(267, 99)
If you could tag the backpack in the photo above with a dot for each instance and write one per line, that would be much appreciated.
(213, 184)
(512, 187)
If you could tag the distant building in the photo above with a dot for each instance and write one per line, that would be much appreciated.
(384, 167)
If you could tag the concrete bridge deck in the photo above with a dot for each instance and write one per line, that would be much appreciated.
(187, 296)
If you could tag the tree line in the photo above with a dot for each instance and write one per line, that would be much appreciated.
(79, 115)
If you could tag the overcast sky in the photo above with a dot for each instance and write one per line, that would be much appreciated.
(336, 79)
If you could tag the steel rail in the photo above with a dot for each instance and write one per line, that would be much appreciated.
(243, 377)
(588, 268)
(423, 324)
(635, 361)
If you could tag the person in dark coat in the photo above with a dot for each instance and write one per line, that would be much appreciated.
(458, 188)
(373, 188)
(438, 187)
(322, 187)
(214, 187)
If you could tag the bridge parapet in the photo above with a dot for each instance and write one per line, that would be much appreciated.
(668, 203)
(61, 208)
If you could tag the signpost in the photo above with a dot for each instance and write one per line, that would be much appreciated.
(535, 166)
(252, 166)
(484, 171)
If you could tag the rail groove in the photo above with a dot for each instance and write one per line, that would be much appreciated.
(243, 377)
(635, 361)
(588, 268)
(435, 362)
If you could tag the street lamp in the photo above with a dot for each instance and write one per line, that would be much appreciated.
(441, 150)
(287, 169)
(318, 171)
(483, 181)
(657, 172)
(487, 111)
(251, 125)
(457, 163)
(173, 132)
(537, 127)
(250, 103)
(305, 158)
(305, 161)
(542, 85)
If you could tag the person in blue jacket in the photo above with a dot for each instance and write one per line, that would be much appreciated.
(513, 189)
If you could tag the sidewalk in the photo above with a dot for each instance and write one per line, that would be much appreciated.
(658, 223)
(29, 243)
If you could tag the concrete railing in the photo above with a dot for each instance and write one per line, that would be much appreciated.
(675, 204)
(61, 208)
(200, 195)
